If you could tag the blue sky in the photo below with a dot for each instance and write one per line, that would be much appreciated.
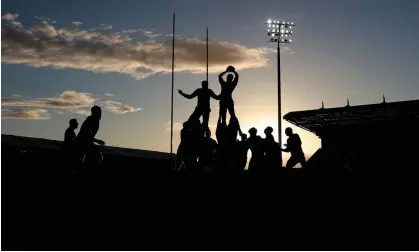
(355, 49)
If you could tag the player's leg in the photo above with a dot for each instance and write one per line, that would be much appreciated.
(205, 120)
(196, 114)
(291, 162)
(231, 109)
(223, 112)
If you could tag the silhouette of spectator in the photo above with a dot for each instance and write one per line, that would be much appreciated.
(208, 153)
(203, 108)
(255, 145)
(70, 146)
(294, 146)
(226, 95)
(87, 139)
(240, 154)
(271, 150)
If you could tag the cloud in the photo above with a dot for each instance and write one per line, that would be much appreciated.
(108, 94)
(80, 111)
(12, 20)
(67, 99)
(44, 28)
(119, 108)
(71, 101)
(287, 49)
(16, 95)
(25, 113)
(44, 45)
(10, 17)
(77, 23)
(42, 18)
(102, 27)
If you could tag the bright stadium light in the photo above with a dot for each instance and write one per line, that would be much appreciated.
(281, 29)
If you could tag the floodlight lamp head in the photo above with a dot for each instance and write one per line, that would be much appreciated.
(269, 21)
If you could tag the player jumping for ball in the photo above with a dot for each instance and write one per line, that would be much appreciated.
(226, 95)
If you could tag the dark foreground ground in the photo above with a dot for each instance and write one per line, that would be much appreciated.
(128, 208)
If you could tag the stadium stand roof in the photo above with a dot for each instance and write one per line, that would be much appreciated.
(315, 120)
(11, 141)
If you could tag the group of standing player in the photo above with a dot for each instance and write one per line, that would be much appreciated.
(198, 149)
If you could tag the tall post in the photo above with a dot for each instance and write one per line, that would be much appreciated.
(279, 32)
(279, 102)
(207, 53)
(173, 80)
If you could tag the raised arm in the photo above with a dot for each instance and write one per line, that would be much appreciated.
(220, 78)
(236, 78)
(187, 96)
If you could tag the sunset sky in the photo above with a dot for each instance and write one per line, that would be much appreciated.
(61, 57)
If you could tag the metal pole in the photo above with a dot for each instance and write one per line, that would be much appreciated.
(207, 54)
(173, 80)
(279, 103)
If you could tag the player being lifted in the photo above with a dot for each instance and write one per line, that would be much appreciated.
(226, 95)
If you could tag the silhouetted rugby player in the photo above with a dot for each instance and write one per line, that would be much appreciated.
(70, 138)
(208, 153)
(240, 154)
(254, 142)
(203, 108)
(226, 95)
(87, 134)
(294, 146)
(271, 150)
(70, 147)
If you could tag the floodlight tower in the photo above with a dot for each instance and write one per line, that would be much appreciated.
(279, 32)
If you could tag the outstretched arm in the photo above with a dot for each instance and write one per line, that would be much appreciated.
(214, 96)
(95, 129)
(98, 141)
(220, 77)
(187, 96)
